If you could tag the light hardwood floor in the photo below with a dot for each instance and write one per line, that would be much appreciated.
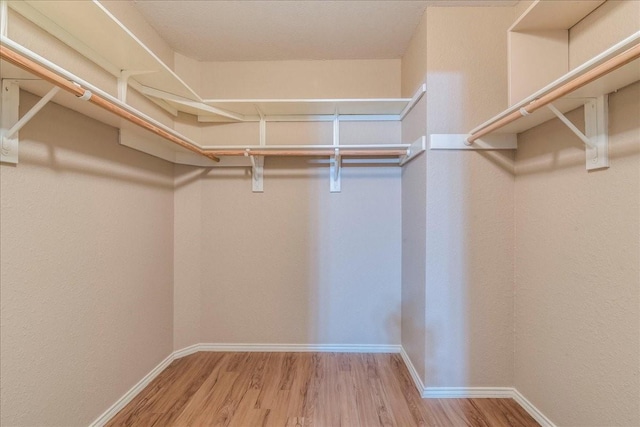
(302, 389)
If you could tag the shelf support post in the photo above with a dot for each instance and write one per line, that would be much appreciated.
(257, 162)
(10, 103)
(257, 172)
(335, 161)
(123, 82)
(4, 19)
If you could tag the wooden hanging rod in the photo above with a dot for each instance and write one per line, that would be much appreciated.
(572, 85)
(75, 89)
(311, 153)
(66, 82)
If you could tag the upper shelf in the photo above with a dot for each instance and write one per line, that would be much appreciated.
(545, 15)
(610, 82)
(243, 110)
(93, 31)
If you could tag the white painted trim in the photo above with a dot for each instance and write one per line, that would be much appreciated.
(412, 370)
(294, 348)
(467, 392)
(532, 410)
(474, 392)
(128, 396)
(425, 392)
(186, 351)
(297, 348)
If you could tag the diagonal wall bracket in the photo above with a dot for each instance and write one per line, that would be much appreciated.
(11, 125)
(596, 135)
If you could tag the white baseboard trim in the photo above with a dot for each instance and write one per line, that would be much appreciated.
(425, 392)
(532, 410)
(467, 392)
(128, 396)
(474, 392)
(412, 370)
(301, 348)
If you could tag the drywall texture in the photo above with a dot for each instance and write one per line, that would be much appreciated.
(578, 271)
(414, 61)
(295, 264)
(469, 205)
(601, 29)
(86, 269)
(414, 208)
(187, 259)
(298, 264)
(301, 79)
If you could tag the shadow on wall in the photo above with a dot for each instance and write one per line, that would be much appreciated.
(566, 150)
(469, 255)
(91, 158)
(447, 297)
(298, 264)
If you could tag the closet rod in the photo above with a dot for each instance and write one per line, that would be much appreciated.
(75, 89)
(588, 77)
(311, 153)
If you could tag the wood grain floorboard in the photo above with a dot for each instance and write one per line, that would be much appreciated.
(303, 390)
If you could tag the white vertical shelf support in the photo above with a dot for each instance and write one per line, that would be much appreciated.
(10, 103)
(10, 123)
(123, 85)
(335, 162)
(596, 119)
(4, 19)
(257, 162)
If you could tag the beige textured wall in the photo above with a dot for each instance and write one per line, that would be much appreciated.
(604, 27)
(414, 60)
(578, 272)
(469, 222)
(298, 264)
(414, 208)
(188, 257)
(86, 269)
(302, 79)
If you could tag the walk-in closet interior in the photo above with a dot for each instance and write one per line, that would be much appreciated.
(328, 213)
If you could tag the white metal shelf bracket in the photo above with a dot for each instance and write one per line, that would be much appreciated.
(123, 82)
(336, 159)
(596, 135)
(417, 147)
(257, 162)
(11, 125)
(257, 172)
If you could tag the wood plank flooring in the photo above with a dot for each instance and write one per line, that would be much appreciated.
(303, 389)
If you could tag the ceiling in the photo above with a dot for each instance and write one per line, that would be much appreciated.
(243, 30)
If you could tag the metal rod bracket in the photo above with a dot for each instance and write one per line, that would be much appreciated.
(418, 146)
(257, 172)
